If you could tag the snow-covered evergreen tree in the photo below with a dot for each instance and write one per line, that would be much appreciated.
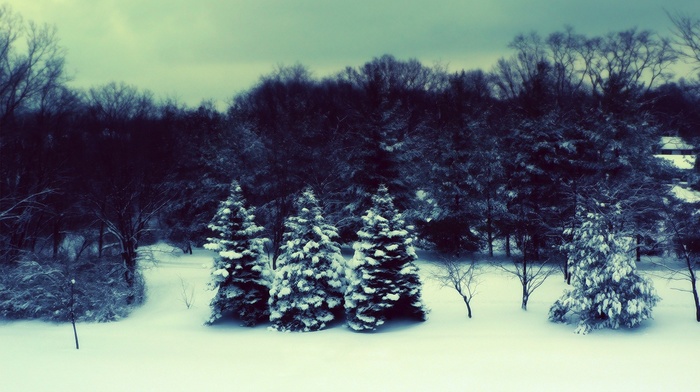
(608, 292)
(384, 282)
(307, 292)
(240, 275)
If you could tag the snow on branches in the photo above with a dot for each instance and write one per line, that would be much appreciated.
(307, 292)
(240, 275)
(384, 281)
(608, 292)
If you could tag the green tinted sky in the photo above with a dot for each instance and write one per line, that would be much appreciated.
(200, 49)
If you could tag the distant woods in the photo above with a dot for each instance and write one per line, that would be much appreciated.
(473, 158)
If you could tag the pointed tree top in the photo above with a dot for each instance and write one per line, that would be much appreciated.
(308, 196)
(235, 188)
(382, 200)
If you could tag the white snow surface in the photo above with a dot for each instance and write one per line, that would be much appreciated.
(164, 346)
(679, 161)
(685, 194)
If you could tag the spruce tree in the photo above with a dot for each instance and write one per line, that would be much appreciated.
(240, 275)
(384, 282)
(608, 291)
(307, 292)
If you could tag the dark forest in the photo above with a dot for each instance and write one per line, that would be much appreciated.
(477, 160)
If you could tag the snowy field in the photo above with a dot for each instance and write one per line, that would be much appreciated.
(163, 346)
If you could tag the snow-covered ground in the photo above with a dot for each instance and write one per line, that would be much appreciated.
(680, 161)
(164, 346)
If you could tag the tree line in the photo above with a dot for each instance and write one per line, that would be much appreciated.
(473, 158)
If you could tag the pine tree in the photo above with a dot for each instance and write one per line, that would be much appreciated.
(240, 276)
(384, 282)
(385, 113)
(608, 292)
(307, 292)
(462, 176)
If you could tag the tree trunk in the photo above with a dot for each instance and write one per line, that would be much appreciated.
(524, 280)
(694, 285)
(129, 256)
(56, 236)
(489, 226)
(100, 240)
(535, 247)
(693, 278)
(567, 271)
(72, 313)
(638, 251)
(469, 308)
(507, 245)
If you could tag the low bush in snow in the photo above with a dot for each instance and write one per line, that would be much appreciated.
(32, 289)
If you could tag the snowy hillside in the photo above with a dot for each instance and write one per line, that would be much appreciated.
(164, 346)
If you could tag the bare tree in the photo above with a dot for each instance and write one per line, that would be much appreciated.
(29, 70)
(187, 293)
(116, 104)
(16, 214)
(566, 54)
(125, 213)
(561, 54)
(682, 220)
(511, 76)
(464, 277)
(629, 61)
(530, 273)
(530, 266)
(12, 209)
(686, 37)
(127, 190)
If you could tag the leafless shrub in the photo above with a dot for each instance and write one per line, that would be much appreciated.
(187, 293)
(464, 277)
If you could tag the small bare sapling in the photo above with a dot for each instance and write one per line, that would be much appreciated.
(72, 312)
(187, 293)
(463, 276)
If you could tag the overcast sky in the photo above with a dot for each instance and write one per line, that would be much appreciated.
(213, 49)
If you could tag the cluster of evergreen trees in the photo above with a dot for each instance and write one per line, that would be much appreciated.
(472, 158)
(312, 285)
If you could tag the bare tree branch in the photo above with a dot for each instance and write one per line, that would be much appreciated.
(463, 277)
(29, 202)
(686, 37)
